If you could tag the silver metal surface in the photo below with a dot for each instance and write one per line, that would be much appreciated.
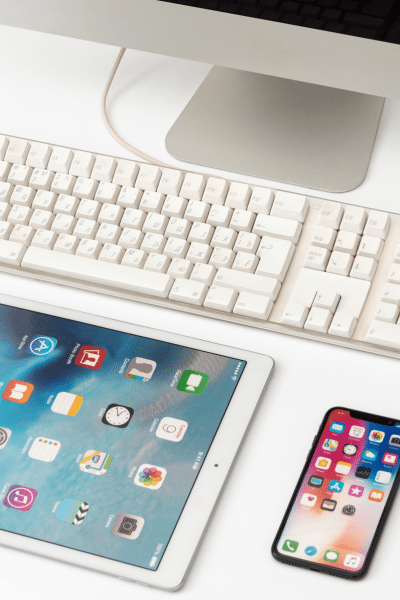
(278, 129)
(233, 41)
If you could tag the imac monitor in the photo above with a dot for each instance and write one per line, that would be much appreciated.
(297, 89)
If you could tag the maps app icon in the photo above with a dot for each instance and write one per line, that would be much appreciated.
(41, 345)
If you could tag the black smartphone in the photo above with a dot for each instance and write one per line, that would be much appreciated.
(344, 495)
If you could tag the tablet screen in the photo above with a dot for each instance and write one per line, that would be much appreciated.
(103, 433)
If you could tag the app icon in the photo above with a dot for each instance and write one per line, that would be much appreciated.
(90, 357)
(316, 481)
(356, 431)
(66, 403)
(95, 462)
(72, 511)
(328, 504)
(343, 467)
(117, 415)
(310, 550)
(376, 495)
(389, 458)
(335, 486)
(41, 345)
(349, 510)
(290, 546)
(308, 500)
(352, 561)
(363, 472)
(141, 369)
(44, 449)
(171, 429)
(356, 490)
(20, 497)
(330, 445)
(150, 476)
(337, 427)
(5, 435)
(127, 526)
(17, 391)
(323, 463)
(350, 449)
(331, 556)
(395, 440)
(193, 382)
(383, 476)
(376, 436)
(370, 454)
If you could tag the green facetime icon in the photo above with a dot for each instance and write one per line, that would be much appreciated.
(193, 382)
(290, 546)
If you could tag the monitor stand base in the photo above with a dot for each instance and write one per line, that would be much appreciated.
(297, 133)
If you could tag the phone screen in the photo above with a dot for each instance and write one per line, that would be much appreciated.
(341, 498)
(103, 433)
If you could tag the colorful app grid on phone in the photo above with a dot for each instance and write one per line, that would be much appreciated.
(72, 511)
(150, 476)
(20, 497)
(18, 391)
(90, 357)
(41, 345)
(95, 462)
(66, 403)
(193, 382)
(141, 369)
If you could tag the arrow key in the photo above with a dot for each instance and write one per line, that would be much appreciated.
(371, 247)
(343, 325)
(295, 314)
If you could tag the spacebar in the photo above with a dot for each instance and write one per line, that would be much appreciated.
(96, 271)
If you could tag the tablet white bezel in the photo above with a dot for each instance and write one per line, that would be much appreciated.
(193, 521)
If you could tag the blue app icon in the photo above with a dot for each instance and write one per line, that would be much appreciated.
(335, 486)
(337, 427)
(40, 345)
(311, 550)
(369, 454)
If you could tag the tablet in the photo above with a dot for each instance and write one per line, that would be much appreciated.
(116, 439)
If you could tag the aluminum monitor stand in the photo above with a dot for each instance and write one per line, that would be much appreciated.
(289, 131)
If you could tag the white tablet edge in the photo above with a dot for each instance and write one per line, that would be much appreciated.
(181, 550)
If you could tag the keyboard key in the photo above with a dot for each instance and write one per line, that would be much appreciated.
(330, 215)
(157, 263)
(388, 312)
(295, 314)
(112, 253)
(371, 247)
(5, 208)
(221, 298)
(112, 214)
(343, 325)
(6, 190)
(180, 267)
(242, 220)
(17, 151)
(347, 241)
(41, 219)
(108, 233)
(189, 291)
(363, 268)
(60, 160)
(67, 205)
(197, 211)
(391, 293)
(87, 209)
(238, 196)
(3, 146)
(394, 273)
(384, 334)
(38, 156)
(220, 216)
(317, 258)
(22, 234)
(107, 192)
(5, 169)
(104, 168)
(174, 206)
(63, 183)
(327, 299)
(89, 248)
(131, 238)
(324, 237)
(129, 197)
(22, 195)
(134, 258)
(340, 263)
(171, 182)
(41, 179)
(253, 305)
(193, 186)
(82, 164)
(148, 178)
(201, 232)
(85, 228)
(378, 224)
(63, 224)
(44, 239)
(216, 191)
(5, 229)
(245, 262)
(261, 200)
(19, 174)
(275, 260)
(250, 242)
(354, 219)
(203, 273)
(290, 206)
(287, 229)
(222, 257)
(45, 200)
(11, 253)
(153, 242)
(85, 188)
(199, 253)
(178, 228)
(100, 272)
(66, 243)
(223, 237)
(247, 282)
(318, 320)
(20, 215)
(126, 173)
(152, 202)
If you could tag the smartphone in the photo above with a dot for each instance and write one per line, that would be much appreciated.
(344, 495)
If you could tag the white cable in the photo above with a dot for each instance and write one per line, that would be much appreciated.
(107, 123)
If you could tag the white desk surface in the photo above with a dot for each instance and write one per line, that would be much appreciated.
(50, 91)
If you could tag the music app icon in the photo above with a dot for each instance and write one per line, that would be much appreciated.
(352, 561)
(90, 357)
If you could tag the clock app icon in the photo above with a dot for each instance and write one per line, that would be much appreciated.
(117, 415)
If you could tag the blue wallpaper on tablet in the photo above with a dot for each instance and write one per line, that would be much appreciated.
(102, 433)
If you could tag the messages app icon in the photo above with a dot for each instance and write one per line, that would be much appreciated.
(337, 427)
(193, 382)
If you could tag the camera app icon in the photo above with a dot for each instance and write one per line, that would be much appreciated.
(127, 526)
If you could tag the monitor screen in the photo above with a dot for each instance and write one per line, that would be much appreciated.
(371, 19)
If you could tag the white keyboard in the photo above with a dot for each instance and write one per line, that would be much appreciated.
(270, 259)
